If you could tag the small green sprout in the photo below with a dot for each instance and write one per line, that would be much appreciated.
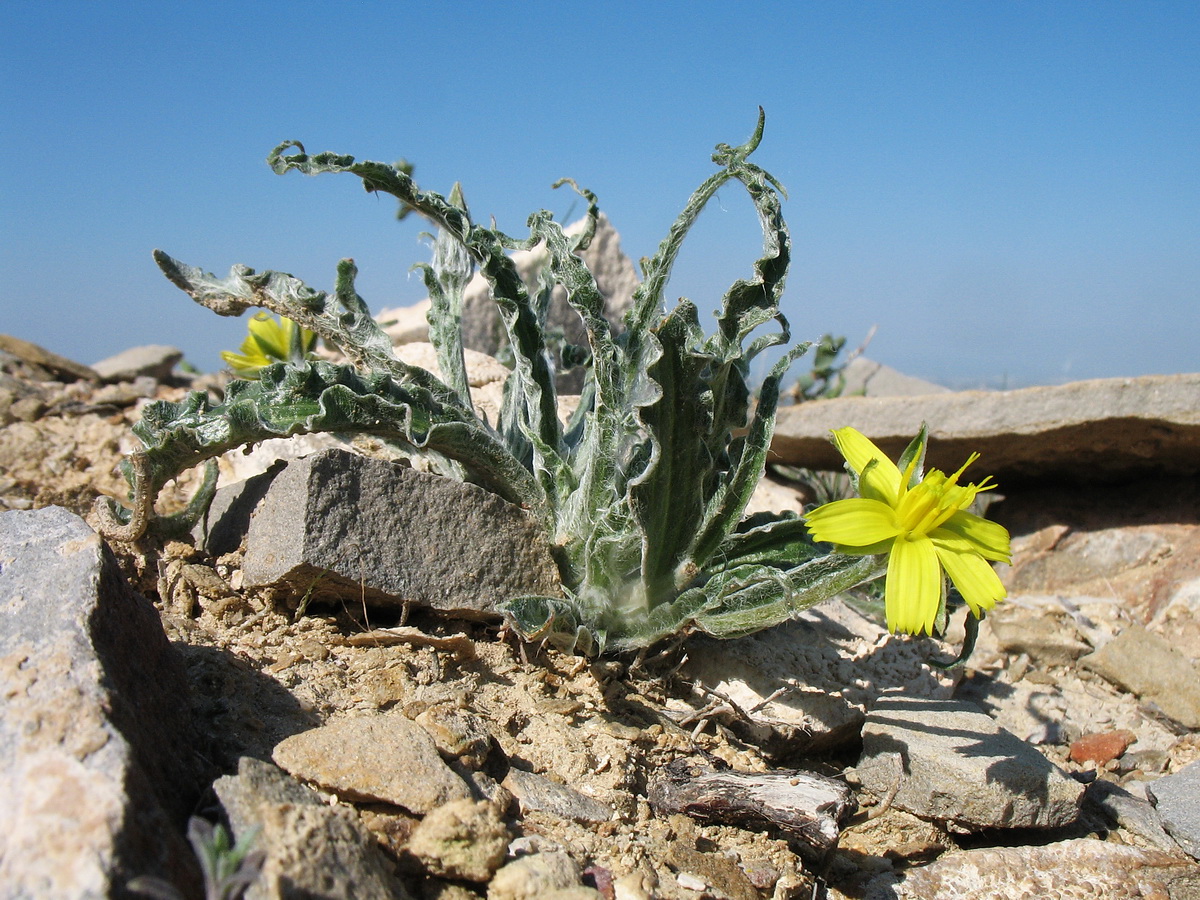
(922, 524)
(228, 868)
(270, 341)
(642, 491)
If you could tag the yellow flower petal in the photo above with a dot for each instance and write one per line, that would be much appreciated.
(882, 480)
(975, 579)
(856, 522)
(988, 539)
(272, 337)
(913, 589)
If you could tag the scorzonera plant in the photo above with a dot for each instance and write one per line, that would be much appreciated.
(643, 491)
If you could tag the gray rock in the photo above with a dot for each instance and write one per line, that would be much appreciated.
(1069, 870)
(153, 360)
(947, 760)
(97, 776)
(1142, 662)
(1134, 814)
(804, 686)
(865, 377)
(311, 849)
(1088, 430)
(338, 525)
(387, 758)
(536, 792)
(1177, 798)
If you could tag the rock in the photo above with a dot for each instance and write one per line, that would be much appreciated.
(153, 360)
(1133, 814)
(536, 792)
(338, 525)
(615, 277)
(97, 774)
(865, 377)
(1045, 632)
(42, 358)
(244, 463)
(322, 852)
(311, 849)
(1102, 747)
(462, 840)
(387, 758)
(804, 686)
(1142, 662)
(1178, 621)
(806, 807)
(1138, 541)
(536, 876)
(458, 733)
(1085, 431)
(947, 760)
(702, 871)
(1177, 798)
(1069, 870)
(406, 324)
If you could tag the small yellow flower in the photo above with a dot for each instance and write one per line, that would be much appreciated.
(269, 341)
(923, 526)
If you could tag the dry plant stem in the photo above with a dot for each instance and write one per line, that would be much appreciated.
(112, 527)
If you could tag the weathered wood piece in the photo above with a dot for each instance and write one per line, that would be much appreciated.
(807, 808)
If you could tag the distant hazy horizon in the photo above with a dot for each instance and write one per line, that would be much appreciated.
(1010, 192)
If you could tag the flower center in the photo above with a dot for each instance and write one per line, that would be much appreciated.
(928, 504)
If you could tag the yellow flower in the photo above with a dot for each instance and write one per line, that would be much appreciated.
(923, 526)
(269, 341)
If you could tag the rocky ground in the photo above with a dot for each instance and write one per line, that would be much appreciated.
(389, 750)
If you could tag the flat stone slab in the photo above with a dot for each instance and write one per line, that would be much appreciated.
(947, 760)
(1084, 431)
(386, 758)
(339, 525)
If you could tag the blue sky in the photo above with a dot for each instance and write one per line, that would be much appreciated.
(1010, 191)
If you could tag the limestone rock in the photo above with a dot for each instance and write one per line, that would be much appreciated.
(44, 360)
(311, 849)
(1084, 431)
(615, 277)
(341, 525)
(1071, 870)
(536, 877)
(406, 324)
(946, 760)
(388, 758)
(1144, 663)
(865, 377)
(805, 685)
(153, 360)
(462, 840)
(97, 776)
